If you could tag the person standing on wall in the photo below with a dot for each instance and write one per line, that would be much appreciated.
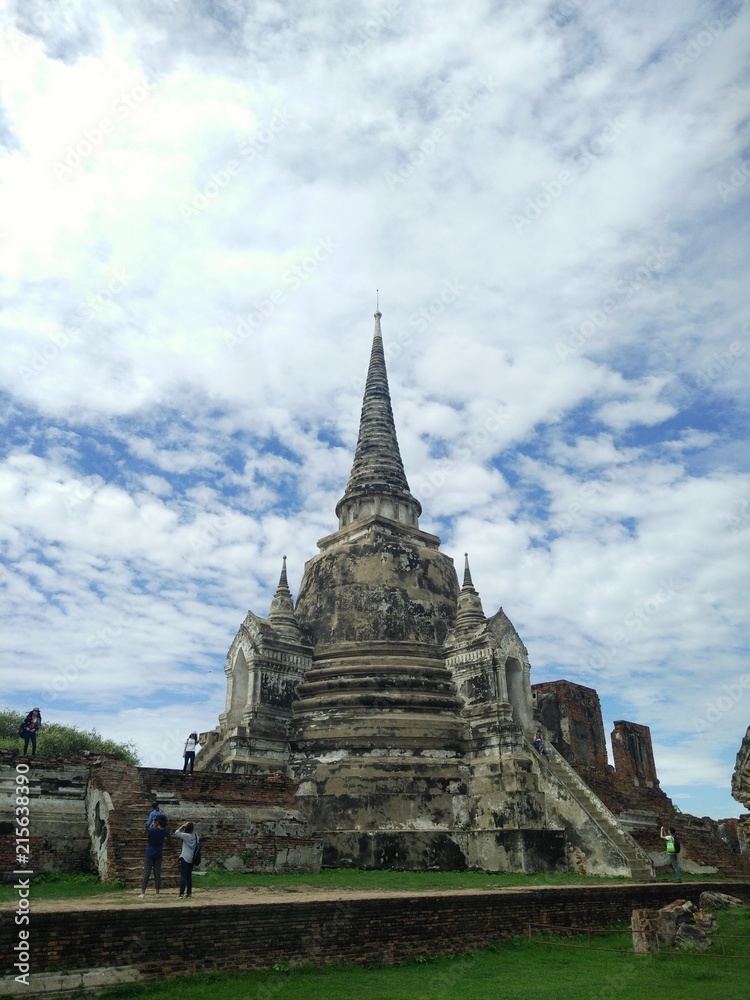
(189, 839)
(191, 744)
(673, 850)
(29, 729)
(157, 834)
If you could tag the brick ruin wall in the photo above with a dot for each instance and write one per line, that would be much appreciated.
(385, 928)
(634, 755)
(58, 832)
(572, 716)
(87, 815)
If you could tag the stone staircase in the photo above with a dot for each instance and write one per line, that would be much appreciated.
(131, 801)
(249, 821)
(636, 858)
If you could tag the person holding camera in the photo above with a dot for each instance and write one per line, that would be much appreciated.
(189, 839)
(673, 850)
(157, 834)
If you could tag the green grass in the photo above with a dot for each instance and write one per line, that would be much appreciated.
(50, 886)
(78, 886)
(55, 739)
(516, 970)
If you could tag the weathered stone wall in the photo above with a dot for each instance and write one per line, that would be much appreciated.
(741, 775)
(58, 827)
(377, 580)
(88, 816)
(246, 822)
(377, 928)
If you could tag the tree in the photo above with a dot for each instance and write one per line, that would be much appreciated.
(56, 739)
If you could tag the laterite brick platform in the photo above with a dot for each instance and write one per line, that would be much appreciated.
(73, 948)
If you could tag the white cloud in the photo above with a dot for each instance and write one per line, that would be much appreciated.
(183, 389)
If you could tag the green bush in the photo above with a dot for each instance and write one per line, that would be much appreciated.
(56, 739)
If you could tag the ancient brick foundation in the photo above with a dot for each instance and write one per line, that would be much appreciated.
(58, 834)
(571, 716)
(87, 815)
(384, 928)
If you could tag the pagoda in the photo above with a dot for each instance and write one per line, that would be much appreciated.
(402, 711)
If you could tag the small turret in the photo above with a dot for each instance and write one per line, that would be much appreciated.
(470, 615)
(281, 615)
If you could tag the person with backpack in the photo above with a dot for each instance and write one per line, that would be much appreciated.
(189, 856)
(673, 850)
(29, 729)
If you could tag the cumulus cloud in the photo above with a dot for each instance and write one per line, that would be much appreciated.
(200, 202)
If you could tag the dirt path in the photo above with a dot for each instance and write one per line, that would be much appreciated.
(232, 895)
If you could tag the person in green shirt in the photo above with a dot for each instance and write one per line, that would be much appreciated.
(673, 850)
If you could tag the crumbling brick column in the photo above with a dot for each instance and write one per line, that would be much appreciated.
(572, 716)
(634, 755)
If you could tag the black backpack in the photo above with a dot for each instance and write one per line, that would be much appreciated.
(677, 845)
(197, 851)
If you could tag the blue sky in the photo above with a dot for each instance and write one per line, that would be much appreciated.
(198, 203)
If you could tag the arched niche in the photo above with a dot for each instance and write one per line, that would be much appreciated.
(519, 693)
(239, 685)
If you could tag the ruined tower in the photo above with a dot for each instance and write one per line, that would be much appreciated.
(403, 712)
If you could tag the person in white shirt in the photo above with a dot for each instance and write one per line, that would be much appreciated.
(191, 745)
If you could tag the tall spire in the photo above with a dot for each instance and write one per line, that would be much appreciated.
(377, 469)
